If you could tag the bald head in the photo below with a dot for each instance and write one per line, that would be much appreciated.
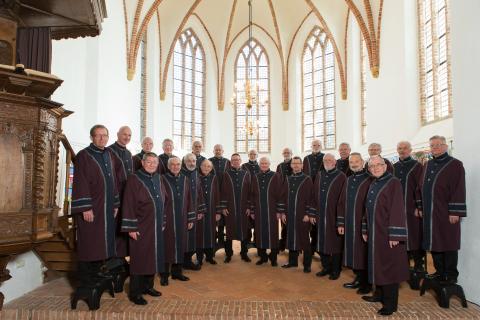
(124, 135)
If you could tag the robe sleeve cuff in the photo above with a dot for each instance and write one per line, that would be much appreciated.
(312, 212)
(129, 225)
(191, 216)
(223, 204)
(218, 209)
(419, 204)
(202, 208)
(340, 221)
(364, 228)
(457, 209)
(116, 201)
(397, 233)
(81, 205)
(281, 207)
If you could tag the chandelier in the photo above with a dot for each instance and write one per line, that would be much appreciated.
(249, 95)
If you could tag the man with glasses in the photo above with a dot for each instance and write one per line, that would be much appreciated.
(95, 203)
(443, 205)
(147, 146)
(375, 149)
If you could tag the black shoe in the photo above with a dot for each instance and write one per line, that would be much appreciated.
(385, 312)
(261, 261)
(274, 263)
(449, 280)
(288, 265)
(364, 290)
(323, 273)
(192, 266)
(227, 259)
(164, 281)
(152, 292)
(372, 298)
(433, 276)
(138, 300)
(180, 277)
(211, 261)
(307, 269)
(246, 258)
(334, 276)
(352, 285)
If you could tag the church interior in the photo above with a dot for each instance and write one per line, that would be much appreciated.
(246, 74)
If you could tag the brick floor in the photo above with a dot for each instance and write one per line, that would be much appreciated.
(237, 290)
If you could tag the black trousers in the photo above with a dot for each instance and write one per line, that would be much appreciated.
(389, 296)
(446, 263)
(172, 268)
(221, 229)
(229, 248)
(313, 237)
(139, 283)
(331, 262)
(208, 252)
(362, 277)
(418, 257)
(262, 253)
(251, 230)
(293, 257)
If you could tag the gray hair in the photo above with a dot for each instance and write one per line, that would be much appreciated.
(149, 155)
(344, 144)
(437, 137)
(189, 156)
(357, 154)
(376, 157)
(264, 159)
(329, 155)
(374, 144)
(164, 142)
(172, 159)
(405, 142)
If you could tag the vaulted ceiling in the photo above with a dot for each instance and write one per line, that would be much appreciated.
(225, 20)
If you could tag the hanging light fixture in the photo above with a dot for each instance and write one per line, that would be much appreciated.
(251, 89)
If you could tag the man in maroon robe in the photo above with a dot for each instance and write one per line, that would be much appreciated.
(375, 149)
(95, 203)
(147, 146)
(191, 172)
(179, 219)
(143, 218)
(236, 204)
(349, 222)
(343, 163)
(197, 148)
(284, 169)
(252, 167)
(124, 156)
(167, 146)
(206, 223)
(312, 164)
(443, 199)
(385, 230)
(296, 211)
(409, 172)
(220, 165)
(327, 189)
(266, 188)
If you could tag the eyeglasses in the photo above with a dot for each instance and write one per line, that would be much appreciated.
(437, 145)
(102, 135)
(378, 165)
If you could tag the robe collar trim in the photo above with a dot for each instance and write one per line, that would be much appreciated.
(96, 149)
(253, 162)
(144, 173)
(441, 157)
(409, 158)
(331, 170)
(297, 174)
(120, 146)
(385, 176)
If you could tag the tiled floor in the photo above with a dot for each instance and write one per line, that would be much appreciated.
(236, 290)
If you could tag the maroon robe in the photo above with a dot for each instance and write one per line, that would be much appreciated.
(386, 221)
(95, 188)
(266, 188)
(124, 156)
(252, 167)
(350, 211)
(312, 164)
(327, 189)
(163, 163)
(409, 172)
(198, 206)
(177, 216)
(137, 160)
(220, 165)
(206, 226)
(285, 169)
(236, 199)
(297, 192)
(443, 195)
(144, 205)
(344, 166)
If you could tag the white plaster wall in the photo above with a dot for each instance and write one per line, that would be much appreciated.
(465, 69)
(27, 274)
(95, 84)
